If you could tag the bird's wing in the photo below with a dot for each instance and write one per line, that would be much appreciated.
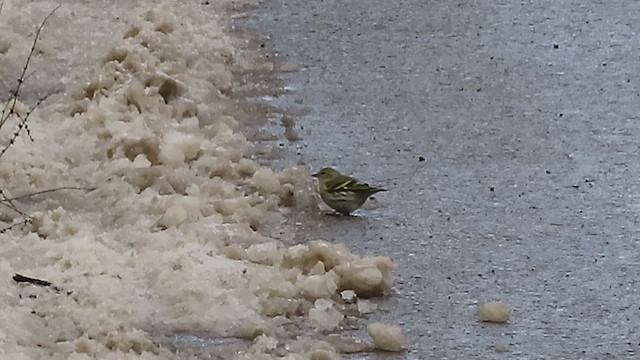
(347, 184)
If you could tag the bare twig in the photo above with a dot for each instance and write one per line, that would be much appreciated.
(4, 200)
(39, 282)
(44, 192)
(21, 278)
(9, 111)
(25, 221)
(10, 106)
(9, 201)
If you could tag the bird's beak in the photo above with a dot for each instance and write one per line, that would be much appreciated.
(315, 175)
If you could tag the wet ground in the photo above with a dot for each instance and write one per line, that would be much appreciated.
(507, 133)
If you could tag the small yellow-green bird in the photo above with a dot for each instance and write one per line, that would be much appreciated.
(342, 193)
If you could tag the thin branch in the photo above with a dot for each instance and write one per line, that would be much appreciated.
(22, 125)
(33, 48)
(24, 222)
(9, 203)
(8, 112)
(44, 192)
(39, 282)
(4, 200)
(21, 278)
(11, 104)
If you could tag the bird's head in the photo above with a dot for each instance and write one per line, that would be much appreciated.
(326, 174)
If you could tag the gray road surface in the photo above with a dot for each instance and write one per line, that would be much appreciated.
(525, 114)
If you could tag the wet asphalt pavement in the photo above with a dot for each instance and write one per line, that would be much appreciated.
(507, 133)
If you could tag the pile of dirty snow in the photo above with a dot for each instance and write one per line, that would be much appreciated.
(165, 240)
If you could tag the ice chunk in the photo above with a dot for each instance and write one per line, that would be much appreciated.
(319, 286)
(494, 311)
(387, 337)
(367, 276)
(266, 181)
(324, 315)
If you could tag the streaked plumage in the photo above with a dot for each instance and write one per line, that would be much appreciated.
(342, 193)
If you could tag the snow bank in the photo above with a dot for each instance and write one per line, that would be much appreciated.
(166, 242)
